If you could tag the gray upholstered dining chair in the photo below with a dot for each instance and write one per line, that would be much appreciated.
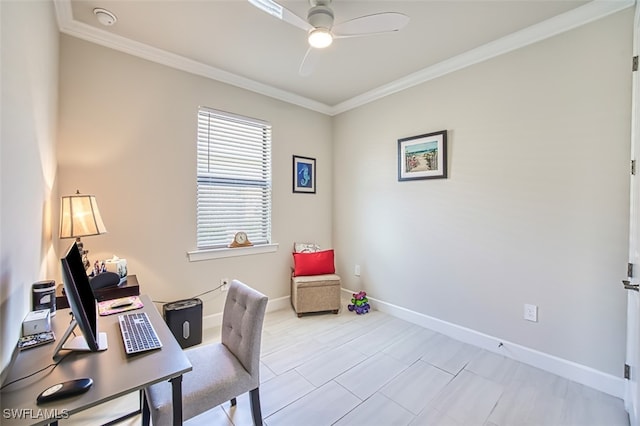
(221, 371)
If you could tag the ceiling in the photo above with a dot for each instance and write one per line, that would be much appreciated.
(234, 42)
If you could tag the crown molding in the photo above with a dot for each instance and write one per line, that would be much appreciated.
(579, 16)
(70, 26)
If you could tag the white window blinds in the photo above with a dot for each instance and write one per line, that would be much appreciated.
(234, 178)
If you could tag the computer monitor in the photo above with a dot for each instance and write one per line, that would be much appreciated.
(83, 306)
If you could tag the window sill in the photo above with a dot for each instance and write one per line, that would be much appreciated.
(198, 255)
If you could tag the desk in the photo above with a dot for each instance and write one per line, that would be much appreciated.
(114, 373)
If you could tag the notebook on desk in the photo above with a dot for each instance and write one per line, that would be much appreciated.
(122, 304)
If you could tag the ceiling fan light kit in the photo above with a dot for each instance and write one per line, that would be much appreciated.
(320, 38)
(320, 17)
(320, 28)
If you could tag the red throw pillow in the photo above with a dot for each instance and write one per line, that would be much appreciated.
(318, 263)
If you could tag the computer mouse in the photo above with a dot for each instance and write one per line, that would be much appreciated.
(64, 390)
(121, 304)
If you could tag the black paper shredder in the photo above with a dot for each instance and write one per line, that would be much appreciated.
(184, 318)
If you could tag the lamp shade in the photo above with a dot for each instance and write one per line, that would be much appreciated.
(80, 217)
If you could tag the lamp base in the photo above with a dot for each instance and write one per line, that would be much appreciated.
(84, 253)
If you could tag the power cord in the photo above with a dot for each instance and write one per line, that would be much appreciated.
(54, 365)
(197, 295)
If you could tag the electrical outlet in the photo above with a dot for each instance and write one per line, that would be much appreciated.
(531, 312)
(224, 284)
(357, 271)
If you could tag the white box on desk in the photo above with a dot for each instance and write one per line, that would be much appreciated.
(117, 265)
(36, 322)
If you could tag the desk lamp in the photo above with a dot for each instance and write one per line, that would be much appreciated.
(80, 217)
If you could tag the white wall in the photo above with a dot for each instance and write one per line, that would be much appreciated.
(29, 41)
(128, 136)
(535, 209)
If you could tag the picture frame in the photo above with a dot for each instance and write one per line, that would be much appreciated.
(304, 175)
(423, 156)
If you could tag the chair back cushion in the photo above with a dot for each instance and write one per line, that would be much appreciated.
(242, 320)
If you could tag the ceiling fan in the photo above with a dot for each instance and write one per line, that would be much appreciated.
(320, 28)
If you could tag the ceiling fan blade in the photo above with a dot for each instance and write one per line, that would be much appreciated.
(280, 12)
(370, 24)
(311, 59)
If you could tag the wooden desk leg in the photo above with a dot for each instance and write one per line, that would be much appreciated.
(176, 390)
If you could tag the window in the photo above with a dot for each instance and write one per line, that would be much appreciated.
(234, 178)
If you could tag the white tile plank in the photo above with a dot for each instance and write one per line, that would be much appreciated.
(282, 390)
(322, 407)
(449, 354)
(387, 412)
(369, 376)
(468, 398)
(333, 363)
(416, 386)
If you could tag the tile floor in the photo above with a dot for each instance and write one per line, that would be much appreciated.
(375, 369)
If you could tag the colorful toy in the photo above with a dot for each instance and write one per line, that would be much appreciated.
(359, 303)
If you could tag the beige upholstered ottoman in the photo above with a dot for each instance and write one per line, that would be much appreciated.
(315, 293)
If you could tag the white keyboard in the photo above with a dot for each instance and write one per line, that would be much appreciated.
(138, 335)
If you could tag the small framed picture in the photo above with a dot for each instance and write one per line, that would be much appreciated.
(423, 156)
(304, 174)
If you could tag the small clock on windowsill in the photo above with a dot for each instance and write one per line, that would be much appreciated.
(240, 240)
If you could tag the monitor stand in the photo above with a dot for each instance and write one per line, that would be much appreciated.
(78, 343)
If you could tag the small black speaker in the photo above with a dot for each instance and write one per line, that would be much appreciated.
(184, 319)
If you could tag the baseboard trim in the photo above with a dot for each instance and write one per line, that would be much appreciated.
(570, 370)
